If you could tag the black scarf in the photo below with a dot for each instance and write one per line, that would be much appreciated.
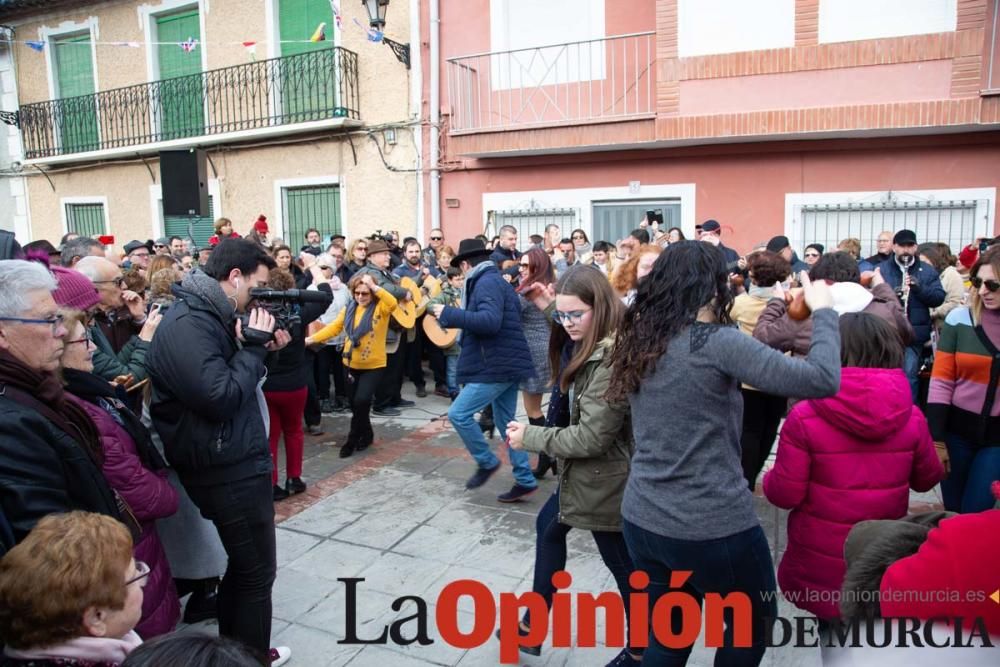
(100, 392)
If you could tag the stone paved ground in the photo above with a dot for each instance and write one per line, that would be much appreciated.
(399, 516)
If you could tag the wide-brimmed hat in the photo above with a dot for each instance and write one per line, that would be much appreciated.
(467, 249)
(376, 246)
(132, 246)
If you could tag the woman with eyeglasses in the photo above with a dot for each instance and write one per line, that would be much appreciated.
(812, 253)
(962, 409)
(594, 448)
(132, 466)
(71, 594)
(581, 245)
(358, 257)
(535, 274)
(365, 320)
(679, 362)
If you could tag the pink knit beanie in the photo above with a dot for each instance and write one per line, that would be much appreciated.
(74, 290)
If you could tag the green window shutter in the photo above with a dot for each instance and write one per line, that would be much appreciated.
(200, 229)
(85, 219)
(308, 83)
(181, 95)
(298, 20)
(74, 75)
(311, 206)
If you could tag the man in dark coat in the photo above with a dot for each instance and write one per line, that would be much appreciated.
(711, 232)
(493, 361)
(506, 250)
(919, 289)
(209, 410)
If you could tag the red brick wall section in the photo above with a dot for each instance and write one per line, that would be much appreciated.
(667, 88)
(806, 22)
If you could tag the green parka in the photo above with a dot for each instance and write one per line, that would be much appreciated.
(594, 451)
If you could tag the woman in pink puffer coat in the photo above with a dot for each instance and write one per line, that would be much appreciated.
(848, 458)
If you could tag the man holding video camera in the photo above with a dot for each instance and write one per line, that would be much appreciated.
(208, 407)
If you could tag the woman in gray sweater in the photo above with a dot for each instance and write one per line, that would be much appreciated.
(679, 362)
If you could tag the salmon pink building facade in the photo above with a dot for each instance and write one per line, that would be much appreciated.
(818, 119)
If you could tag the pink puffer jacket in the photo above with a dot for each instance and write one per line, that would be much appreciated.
(150, 497)
(841, 460)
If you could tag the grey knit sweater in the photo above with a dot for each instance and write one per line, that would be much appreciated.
(686, 480)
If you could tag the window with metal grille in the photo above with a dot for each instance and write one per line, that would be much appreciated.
(85, 219)
(534, 221)
(197, 228)
(313, 206)
(955, 222)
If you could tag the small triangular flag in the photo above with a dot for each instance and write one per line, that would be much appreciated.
(37, 46)
(996, 596)
(251, 48)
(320, 34)
(375, 35)
(190, 45)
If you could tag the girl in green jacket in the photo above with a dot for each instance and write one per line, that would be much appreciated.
(593, 451)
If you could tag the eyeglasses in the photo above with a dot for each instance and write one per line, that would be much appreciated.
(362, 248)
(577, 238)
(991, 285)
(120, 280)
(812, 254)
(87, 338)
(141, 574)
(159, 245)
(574, 316)
(55, 321)
(524, 265)
(437, 238)
(362, 293)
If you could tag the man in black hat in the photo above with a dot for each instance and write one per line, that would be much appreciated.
(711, 232)
(137, 254)
(493, 361)
(919, 289)
(780, 245)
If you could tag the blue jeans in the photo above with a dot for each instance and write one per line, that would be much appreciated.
(967, 487)
(911, 367)
(473, 398)
(736, 563)
(550, 555)
(451, 372)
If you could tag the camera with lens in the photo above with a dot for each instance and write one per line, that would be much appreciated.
(284, 307)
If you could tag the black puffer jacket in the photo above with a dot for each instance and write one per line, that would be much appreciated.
(205, 404)
(925, 293)
(287, 368)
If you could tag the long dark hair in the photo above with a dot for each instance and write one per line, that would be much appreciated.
(868, 341)
(590, 286)
(539, 270)
(687, 276)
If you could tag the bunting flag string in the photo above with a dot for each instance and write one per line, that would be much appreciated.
(320, 34)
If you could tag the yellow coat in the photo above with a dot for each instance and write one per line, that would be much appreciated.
(370, 353)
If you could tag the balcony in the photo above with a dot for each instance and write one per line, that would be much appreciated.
(274, 93)
(595, 81)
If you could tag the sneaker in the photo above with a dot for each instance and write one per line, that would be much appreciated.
(441, 391)
(279, 655)
(421, 392)
(280, 493)
(517, 493)
(481, 476)
(326, 406)
(314, 429)
(403, 403)
(530, 650)
(624, 659)
(386, 411)
(294, 485)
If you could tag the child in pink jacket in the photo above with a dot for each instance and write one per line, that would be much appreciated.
(848, 458)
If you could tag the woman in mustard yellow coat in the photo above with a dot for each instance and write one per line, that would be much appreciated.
(365, 321)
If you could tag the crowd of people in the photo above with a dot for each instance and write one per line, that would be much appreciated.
(145, 397)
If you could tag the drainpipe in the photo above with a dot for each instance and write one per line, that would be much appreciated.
(416, 112)
(435, 112)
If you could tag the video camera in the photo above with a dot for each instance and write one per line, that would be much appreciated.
(283, 305)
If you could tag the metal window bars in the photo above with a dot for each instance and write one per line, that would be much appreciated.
(606, 79)
(279, 91)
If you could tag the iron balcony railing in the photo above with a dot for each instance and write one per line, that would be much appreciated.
(596, 80)
(280, 91)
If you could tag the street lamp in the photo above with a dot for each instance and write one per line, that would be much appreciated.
(376, 19)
